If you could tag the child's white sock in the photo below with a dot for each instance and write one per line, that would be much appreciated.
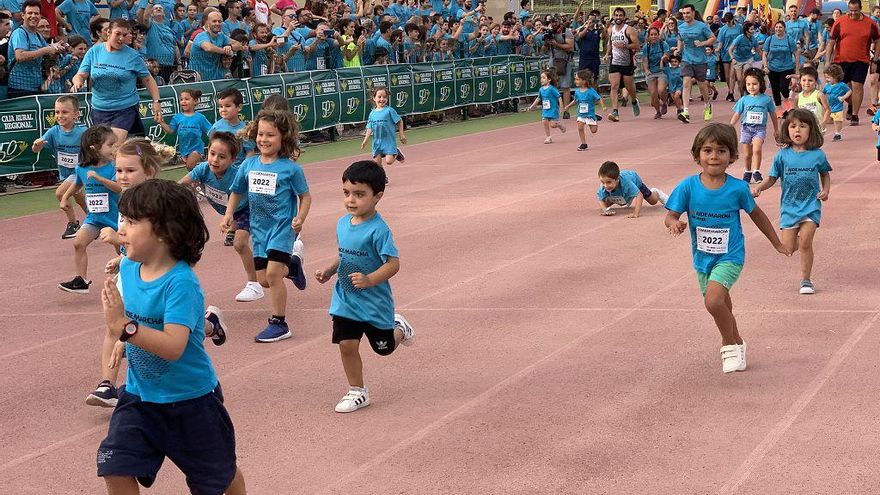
(660, 194)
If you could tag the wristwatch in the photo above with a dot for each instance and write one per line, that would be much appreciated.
(128, 330)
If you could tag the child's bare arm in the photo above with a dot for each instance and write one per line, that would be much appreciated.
(385, 272)
(763, 223)
(674, 225)
(231, 206)
(109, 184)
(734, 119)
(763, 186)
(400, 132)
(326, 274)
(637, 206)
(305, 203)
(826, 186)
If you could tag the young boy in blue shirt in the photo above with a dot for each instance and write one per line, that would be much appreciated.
(229, 103)
(362, 302)
(172, 403)
(837, 92)
(712, 200)
(621, 187)
(64, 138)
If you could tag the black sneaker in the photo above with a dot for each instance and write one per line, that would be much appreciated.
(230, 238)
(566, 115)
(730, 98)
(77, 285)
(105, 395)
(399, 156)
(218, 326)
(757, 177)
(583, 147)
(747, 177)
(71, 230)
(854, 121)
(295, 272)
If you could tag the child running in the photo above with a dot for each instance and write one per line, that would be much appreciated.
(621, 187)
(803, 169)
(190, 126)
(381, 125)
(712, 200)
(551, 100)
(215, 176)
(585, 97)
(674, 83)
(653, 54)
(96, 175)
(279, 201)
(837, 92)
(752, 110)
(229, 103)
(875, 126)
(172, 404)
(362, 302)
(810, 98)
(64, 138)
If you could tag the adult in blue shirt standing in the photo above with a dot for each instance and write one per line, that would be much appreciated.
(25, 54)
(796, 28)
(693, 37)
(726, 35)
(114, 69)
(76, 15)
(209, 46)
(161, 42)
(781, 56)
(233, 19)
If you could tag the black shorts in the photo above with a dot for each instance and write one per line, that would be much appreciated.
(271, 255)
(592, 66)
(878, 153)
(623, 70)
(127, 119)
(196, 434)
(382, 341)
(854, 72)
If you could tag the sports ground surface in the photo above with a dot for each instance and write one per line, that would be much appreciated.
(557, 351)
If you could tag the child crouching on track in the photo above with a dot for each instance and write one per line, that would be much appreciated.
(172, 404)
(551, 100)
(362, 302)
(621, 187)
(712, 200)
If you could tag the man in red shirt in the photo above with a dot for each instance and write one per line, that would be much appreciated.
(660, 20)
(849, 46)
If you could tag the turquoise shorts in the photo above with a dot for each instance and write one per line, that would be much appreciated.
(724, 273)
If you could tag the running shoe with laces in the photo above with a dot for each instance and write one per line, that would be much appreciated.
(409, 334)
(684, 117)
(614, 116)
(71, 230)
(658, 115)
(854, 121)
(399, 156)
(78, 285)
(295, 268)
(355, 399)
(105, 395)
(230, 238)
(837, 137)
(548, 140)
(757, 177)
(707, 113)
(807, 287)
(747, 177)
(731, 358)
(218, 326)
(276, 330)
(252, 291)
(583, 147)
(637, 110)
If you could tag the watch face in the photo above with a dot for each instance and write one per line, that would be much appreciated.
(130, 328)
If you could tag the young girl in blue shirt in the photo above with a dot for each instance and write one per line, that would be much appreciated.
(803, 169)
(279, 201)
(752, 111)
(172, 403)
(381, 125)
(191, 128)
(712, 200)
(551, 100)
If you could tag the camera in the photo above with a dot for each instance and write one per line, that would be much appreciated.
(329, 33)
(280, 39)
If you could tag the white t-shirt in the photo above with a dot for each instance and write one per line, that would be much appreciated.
(261, 12)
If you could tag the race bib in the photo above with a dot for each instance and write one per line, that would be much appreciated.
(755, 118)
(712, 241)
(322, 64)
(67, 160)
(98, 203)
(546, 104)
(262, 182)
(216, 195)
(584, 108)
(618, 200)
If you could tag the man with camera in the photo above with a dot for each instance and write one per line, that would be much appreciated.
(588, 37)
(26, 51)
(560, 41)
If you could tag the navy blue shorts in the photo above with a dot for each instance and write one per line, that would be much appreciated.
(196, 434)
(127, 119)
(242, 219)
(646, 192)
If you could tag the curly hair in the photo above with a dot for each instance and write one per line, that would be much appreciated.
(286, 124)
(229, 140)
(173, 211)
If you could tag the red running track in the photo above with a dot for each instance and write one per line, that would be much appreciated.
(558, 351)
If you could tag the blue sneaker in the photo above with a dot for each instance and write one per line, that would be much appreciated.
(295, 272)
(218, 325)
(275, 331)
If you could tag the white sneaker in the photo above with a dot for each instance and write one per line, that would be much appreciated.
(251, 292)
(355, 399)
(742, 350)
(299, 249)
(549, 140)
(409, 334)
(731, 358)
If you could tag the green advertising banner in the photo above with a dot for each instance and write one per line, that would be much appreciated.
(318, 99)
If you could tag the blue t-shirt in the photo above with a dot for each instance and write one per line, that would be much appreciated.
(671, 39)
(834, 92)
(363, 248)
(228, 27)
(25, 75)
(191, 131)
(383, 124)
(743, 48)
(814, 28)
(207, 63)
(697, 31)
(217, 189)
(102, 203)
(260, 65)
(760, 38)
(795, 29)
(653, 53)
(780, 53)
(114, 76)
(753, 110)
(79, 14)
(65, 144)
(174, 298)
(798, 173)
(712, 67)
(673, 78)
(726, 36)
(549, 102)
(161, 43)
(272, 190)
(713, 219)
(627, 189)
(586, 102)
(876, 121)
(247, 145)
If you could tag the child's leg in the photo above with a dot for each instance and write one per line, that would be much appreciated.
(59, 193)
(121, 485)
(652, 90)
(242, 245)
(379, 161)
(80, 199)
(546, 127)
(806, 233)
(389, 159)
(275, 273)
(676, 99)
(84, 237)
(757, 147)
(594, 129)
(661, 91)
(192, 159)
(719, 305)
(351, 362)
(108, 373)
(746, 153)
(581, 133)
(237, 487)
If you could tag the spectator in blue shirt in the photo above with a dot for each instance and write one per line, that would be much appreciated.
(75, 16)
(209, 46)
(161, 42)
(26, 51)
